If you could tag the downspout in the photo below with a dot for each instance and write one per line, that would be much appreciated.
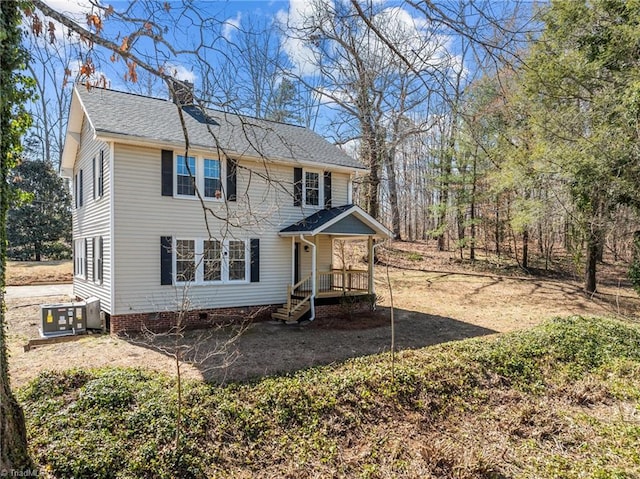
(313, 276)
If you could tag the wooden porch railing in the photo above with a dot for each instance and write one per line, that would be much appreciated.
(345, 280)
(299, 294)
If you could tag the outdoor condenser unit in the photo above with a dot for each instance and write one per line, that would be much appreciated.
(63, 319)
(94, 320)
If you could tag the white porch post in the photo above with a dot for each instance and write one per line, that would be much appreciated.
(293, 260)
(313, 274)
(371, 259)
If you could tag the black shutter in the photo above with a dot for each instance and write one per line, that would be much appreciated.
(255, 260)
(75, 190)
(101, 173)
(297, 186)
(94, 250)
(94, 187)
(232, 179)
(167, 173)
(100, 258)
(80, 190)
(166, 260)
(86, 259)
(327, 189)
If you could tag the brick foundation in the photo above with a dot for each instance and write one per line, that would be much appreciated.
(201, 318)
(205, 318)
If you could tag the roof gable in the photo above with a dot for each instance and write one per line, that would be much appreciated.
(348, 220)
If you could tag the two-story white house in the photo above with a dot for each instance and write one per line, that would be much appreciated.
(178, 208)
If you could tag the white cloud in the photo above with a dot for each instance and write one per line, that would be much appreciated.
(180, 73)
(293, 19)
(231, 25)
(75, 9)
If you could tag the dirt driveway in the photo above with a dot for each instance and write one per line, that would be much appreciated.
(431, 307)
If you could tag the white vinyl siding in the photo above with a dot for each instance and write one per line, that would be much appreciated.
(92, 220)
(142, 216)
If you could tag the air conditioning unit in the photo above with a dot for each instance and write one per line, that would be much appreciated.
(63, 319)
(94, 321)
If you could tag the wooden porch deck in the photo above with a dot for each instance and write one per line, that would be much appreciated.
(328, 284)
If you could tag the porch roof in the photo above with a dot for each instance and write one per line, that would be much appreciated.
(346, 220)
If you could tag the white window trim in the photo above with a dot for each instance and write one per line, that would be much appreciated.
(79, 256)
(199, 175)
(199, 260)
(320, 174)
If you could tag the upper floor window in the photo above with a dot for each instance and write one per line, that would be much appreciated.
(186, 175)
(202, 173)
(311, 188)
(212, 183)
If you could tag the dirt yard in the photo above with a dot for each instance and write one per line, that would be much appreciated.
(432, 305)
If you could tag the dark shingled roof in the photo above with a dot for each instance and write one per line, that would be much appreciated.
(144, 118)
(316, 220)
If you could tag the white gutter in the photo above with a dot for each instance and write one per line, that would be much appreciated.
(313, 276)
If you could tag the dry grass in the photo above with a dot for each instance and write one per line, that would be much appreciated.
(20, 273)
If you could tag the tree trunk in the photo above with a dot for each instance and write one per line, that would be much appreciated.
(525, 249)
(13, 438)
(592, 260)
(472, 212)
(393, 193)
(444, 200)
(13, 435)
(497, 230)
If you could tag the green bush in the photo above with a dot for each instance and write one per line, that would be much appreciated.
(121, 423)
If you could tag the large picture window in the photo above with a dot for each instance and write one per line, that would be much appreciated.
(237, 260)
(202, 261)
(185, 261)
(212, 260)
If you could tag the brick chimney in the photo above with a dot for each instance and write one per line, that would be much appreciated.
(182, 92)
